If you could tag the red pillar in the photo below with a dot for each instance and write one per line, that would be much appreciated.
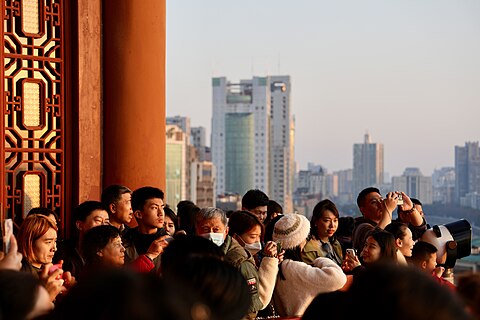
(134, 93)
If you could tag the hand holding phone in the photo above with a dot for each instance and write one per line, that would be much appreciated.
(7, 234)
(54, 268)
(351, 252)
(399, 199)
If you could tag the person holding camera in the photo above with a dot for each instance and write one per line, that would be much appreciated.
(299, 283)
(211, 223)
(248, 230)
(379, 248)
(413, 218)
(376, 212)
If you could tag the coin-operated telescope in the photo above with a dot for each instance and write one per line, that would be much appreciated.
(452, 240)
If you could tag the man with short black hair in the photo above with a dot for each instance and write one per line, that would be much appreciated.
(148, 238)
(376, 213)
(256, 202)
(118, 200)
(86, 215)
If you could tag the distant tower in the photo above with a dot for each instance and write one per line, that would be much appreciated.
(467, 170)
(252, 137)
(367, 164)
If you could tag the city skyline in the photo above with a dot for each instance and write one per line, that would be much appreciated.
(406, 72)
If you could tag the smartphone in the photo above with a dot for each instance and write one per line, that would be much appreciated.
(279, 248)
(54, 268)
(351, 252)
(400, 199)
(7, 233)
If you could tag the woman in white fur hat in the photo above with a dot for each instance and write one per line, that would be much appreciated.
(299, 283)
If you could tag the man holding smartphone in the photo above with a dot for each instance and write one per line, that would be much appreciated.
(376, 213)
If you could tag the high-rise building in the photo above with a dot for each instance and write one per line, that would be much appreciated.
(467, 170)
(176, 160)
(443, 183)
(183, 123)
(252, 137)
(415, 185)
(367, 164)
(199, 139)
(202, 184)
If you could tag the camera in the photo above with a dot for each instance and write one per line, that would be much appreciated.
(453, 240)
(400, 198)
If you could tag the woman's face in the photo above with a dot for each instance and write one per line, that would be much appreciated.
(169, 226)
(406, 243)
(253, 235)
(113, 253)
(371, 251)
(327, 225)
(44, 248)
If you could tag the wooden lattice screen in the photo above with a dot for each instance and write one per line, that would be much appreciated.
(33, 107)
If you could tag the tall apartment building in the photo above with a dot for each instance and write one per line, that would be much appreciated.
(189, 173)
(252, 137)
(415, 185)
(443, 183)
(183, 123)
(202, 184)
(467, 170)
(367, 164)
(198, 136)
(176, 161)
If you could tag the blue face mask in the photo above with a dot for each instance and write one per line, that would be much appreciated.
(216, 238)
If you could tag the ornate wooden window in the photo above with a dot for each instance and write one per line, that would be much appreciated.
(33, 107)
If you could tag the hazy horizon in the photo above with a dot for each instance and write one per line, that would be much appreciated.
(407, 72)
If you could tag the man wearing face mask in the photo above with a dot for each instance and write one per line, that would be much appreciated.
(211, 223)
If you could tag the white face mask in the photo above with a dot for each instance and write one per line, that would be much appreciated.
(216, 238)
(253, 247)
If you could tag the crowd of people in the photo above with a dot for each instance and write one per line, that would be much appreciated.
(132, 256)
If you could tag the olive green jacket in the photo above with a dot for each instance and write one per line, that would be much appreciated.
(313, 250)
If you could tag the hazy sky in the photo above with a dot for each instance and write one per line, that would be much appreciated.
(407, 71)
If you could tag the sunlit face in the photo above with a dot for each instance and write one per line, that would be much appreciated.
(327, 225)
(260, 212)
(98, 217)
(405, 245)
(214, 225)
(42, 305)
(371, 251)
(253, 235)
(372, 206)
(431, 263)
(152, 215)
(113, 253)
(122, 209)
(169, 226)
(419, 209)
(44, 248)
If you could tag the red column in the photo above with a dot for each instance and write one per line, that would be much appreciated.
(134, 93)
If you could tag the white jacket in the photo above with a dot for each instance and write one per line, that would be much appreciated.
(303, 283)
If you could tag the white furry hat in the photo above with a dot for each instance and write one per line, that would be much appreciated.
(290, 230)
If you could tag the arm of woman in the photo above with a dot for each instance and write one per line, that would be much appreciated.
(324, 275)
(267, 275)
